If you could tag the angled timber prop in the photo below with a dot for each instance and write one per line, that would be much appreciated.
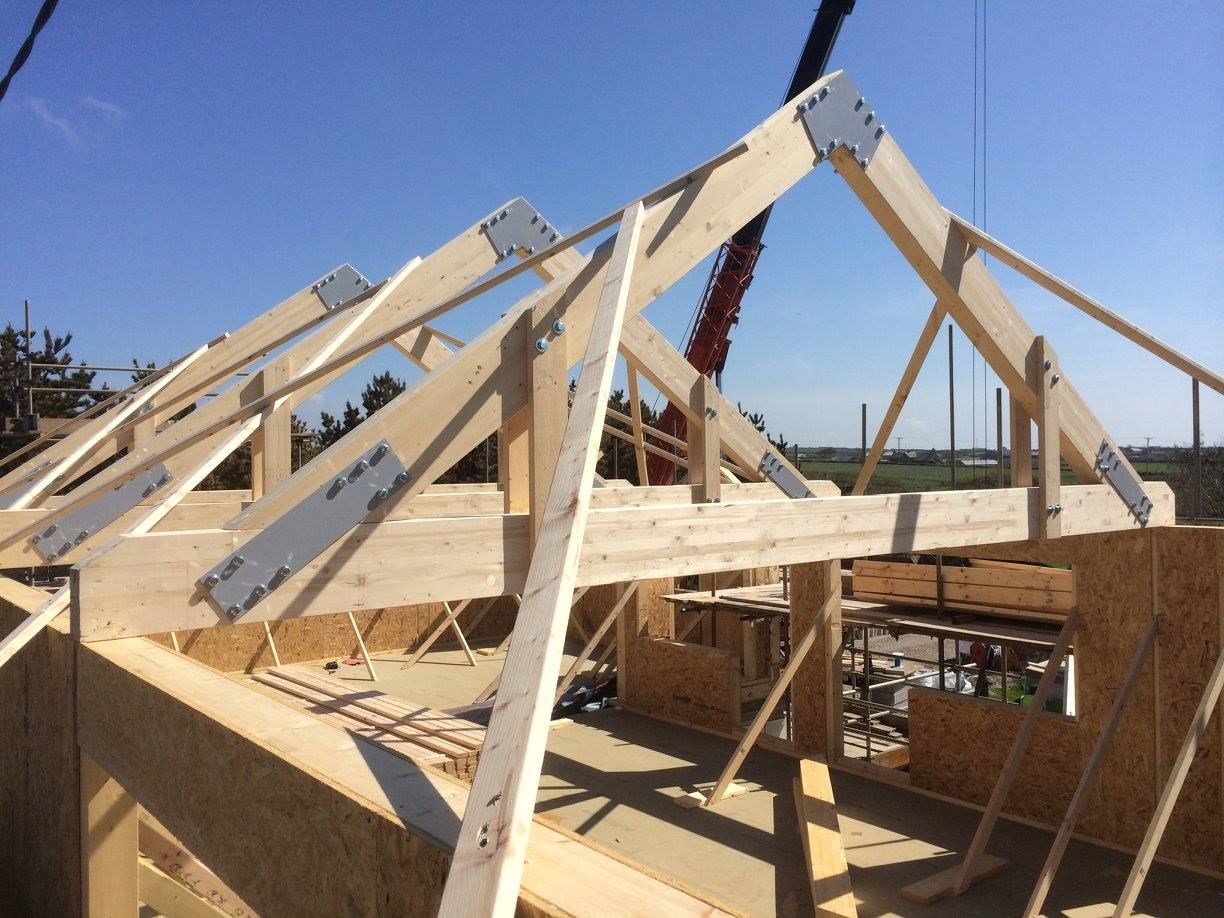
(360, 525)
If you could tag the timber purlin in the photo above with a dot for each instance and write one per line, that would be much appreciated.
(548, 531)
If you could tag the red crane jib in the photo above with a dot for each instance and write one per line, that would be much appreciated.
(707, 348)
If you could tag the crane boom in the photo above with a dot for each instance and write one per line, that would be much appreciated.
(732, 271)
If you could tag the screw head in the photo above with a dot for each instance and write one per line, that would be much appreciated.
(803, 106)
(382, 493)
(238, 561)
(1047, 364)
(283, 571)
(558, 327)
(339, 483)
(211, 580)
(865, 161)
(382, 450)
(541, 345)
(34, 540)
(1054, 379)
(362, 465)
(402, 478)
(259, 590)
(234, 611)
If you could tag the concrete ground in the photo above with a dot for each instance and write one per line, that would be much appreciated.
(611, 777)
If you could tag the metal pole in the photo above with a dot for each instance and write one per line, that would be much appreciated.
(863, 448)
(999, 430)
(942, 685)
(1198, 450)
(951, 411)
(29, 365)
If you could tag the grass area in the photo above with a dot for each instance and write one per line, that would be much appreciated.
(906, 477)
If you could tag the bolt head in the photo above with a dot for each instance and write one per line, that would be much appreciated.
(541, 345)
(34, 540)
(402, 478)
(340, 483)
(234, 611)
(211, 580)
(382, 493)
(283, 571)
(558, 327)
(803, 106)
(1054, 379)
(1047, 364)
(238, 561)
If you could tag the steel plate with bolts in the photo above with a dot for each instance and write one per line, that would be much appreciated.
(780, 474)
(58, 538)
(338, 287)
(1128, 486)
(284, 547)
(840, 116)
(516, 226)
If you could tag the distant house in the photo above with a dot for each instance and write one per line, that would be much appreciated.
(978, 463)
(844, 455)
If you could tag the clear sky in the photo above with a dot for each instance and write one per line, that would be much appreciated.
(169, 170)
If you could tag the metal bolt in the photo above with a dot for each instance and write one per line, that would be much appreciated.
(238, 561)
(531, 250)
(1048, 364)
(1054, 379)
(1058, 508)
(541, 345)
(484, 225)
(362, 465)
(401, 479)
(82, 536)
(553, 237)
(51, 556)
(382, 493)
(52, 528)
(382, 450)
(865, 161)
(854, 148)
(340, 483)
(259, 590)
(861, 102)
(509, 251)
(803, 106)
(870, 117)
(283, 571)
(234, 611)
(504, 214)
(211, 580)
(34, 540)
(558, 327)
(880, 131)
(1050, 509)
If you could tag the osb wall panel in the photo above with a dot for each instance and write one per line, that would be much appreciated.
(1118, 593)
(245, 647)
(154, 748)
(690, 683)
(810, 585)
(40, 863)
(968, 767)
(1190, 576)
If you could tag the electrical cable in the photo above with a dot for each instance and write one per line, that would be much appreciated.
(23, 53)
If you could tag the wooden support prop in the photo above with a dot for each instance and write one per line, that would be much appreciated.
(1080, 799)
(639, 438)
(831, 605)
(1168, 796)
(276, 660)
(449, 620)
(361, 648)
(1045, 379)
(1087, 305)
(1021, 445)
(109, 823)
(906, 385)
(488, 864)
(593, 641)
(704, 443)
(823, 850)
(977, 864)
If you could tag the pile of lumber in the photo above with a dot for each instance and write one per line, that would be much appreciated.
(411, 731)
(1028, 592)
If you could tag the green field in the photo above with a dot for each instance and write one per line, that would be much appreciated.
(908, 477)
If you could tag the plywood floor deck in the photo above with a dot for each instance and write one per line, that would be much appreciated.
(610, 777)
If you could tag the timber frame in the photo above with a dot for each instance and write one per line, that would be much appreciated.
(159, 559)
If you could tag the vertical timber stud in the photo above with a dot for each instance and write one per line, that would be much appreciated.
(1043, 369)
(488, 864)
(704, 443)
(270, 445)
(639, 436)
(548, 372)
(1021, 445)
(109, 846)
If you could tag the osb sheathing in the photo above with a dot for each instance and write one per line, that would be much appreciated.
(40, 861)
(690, 683)
(244, 647)
(1121, 579)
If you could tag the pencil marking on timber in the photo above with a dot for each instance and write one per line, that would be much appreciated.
(61, 537)
(517, 226)
(338, 287)
(838, 115)
(275, 554)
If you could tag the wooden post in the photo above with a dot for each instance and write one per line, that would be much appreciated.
(703, 443)
(548, 371)
(977, 864)
(1043, 367)
(513, 461)
(1080, 799)
(271, 456)
(1172, 788)
(639, 433)
(1021, 445)
(109, 846)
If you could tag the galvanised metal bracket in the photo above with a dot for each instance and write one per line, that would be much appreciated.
(517, 226)
(271, 557)
(1128, 485)
(61, 537)
(777, 471)
(338, 287)
(839, 115)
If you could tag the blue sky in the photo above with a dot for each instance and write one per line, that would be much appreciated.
(170, 170)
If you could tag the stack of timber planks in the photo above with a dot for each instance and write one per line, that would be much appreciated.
(1026, 592)
(409, 730)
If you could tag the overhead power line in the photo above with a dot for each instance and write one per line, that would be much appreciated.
(23, 53)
